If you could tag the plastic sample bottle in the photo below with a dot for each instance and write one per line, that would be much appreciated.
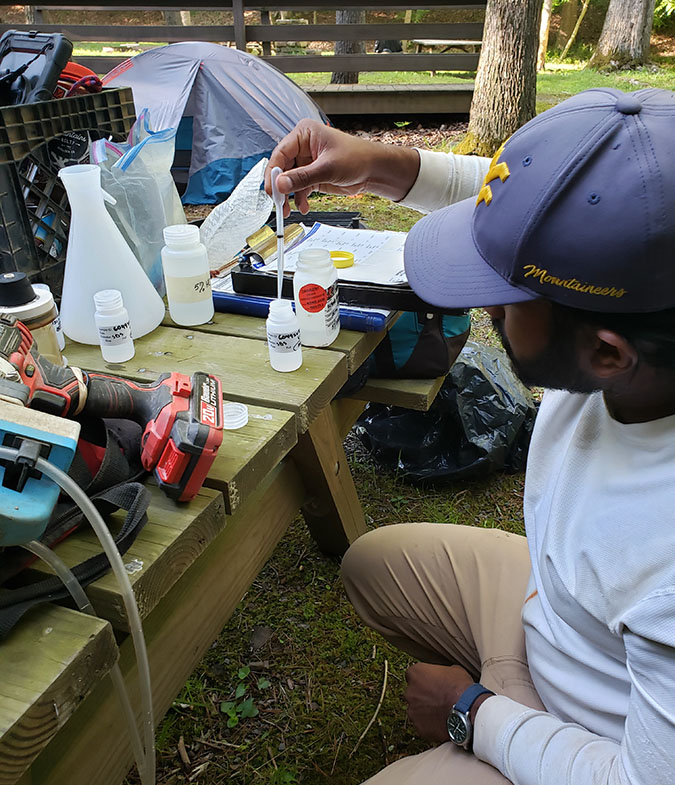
(114, 328)
(283, 337)
(98, 258)
(316, 297)
(60, 337)
(35, 307)
(187, 275)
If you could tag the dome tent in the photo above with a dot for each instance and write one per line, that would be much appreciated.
(231, 108)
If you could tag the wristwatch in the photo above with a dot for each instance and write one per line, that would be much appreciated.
(459, 725)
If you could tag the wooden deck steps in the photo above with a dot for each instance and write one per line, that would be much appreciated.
(393, 99)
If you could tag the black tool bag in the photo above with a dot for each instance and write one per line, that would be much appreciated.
(107, 467)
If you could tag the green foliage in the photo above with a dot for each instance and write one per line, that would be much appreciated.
(664, 14)
(238, 709)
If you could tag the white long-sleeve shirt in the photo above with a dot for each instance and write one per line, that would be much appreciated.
(600, 615)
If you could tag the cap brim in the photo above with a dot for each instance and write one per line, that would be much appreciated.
(446, 270)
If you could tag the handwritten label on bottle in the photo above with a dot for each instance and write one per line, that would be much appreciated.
(284, 342)
(115, 334)
(188, 288)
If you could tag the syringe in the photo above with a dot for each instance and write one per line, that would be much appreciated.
(279, 200)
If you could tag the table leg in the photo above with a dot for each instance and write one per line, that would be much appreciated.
(332, 511)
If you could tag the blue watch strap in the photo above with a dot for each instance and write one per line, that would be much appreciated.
(468, 697)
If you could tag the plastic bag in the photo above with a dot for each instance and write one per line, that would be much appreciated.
(138, 175)
(227, 226)
(480, 422)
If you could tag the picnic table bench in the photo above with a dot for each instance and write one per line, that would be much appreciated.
(60, 720)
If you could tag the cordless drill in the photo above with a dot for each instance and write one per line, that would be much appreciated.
(182, 416)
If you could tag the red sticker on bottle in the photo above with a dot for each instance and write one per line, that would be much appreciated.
(313, 297)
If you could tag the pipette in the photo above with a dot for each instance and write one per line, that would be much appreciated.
(279, 200)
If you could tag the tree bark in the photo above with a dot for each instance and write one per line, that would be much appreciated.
(176, 18)
(624, 40)
(351, 16)
(506, 81)
(569, 12)
(544, 28)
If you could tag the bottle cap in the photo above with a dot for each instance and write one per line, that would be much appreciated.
(235, 415)
(342, 259)
(108, 301)
(15, 289)
(181, 234)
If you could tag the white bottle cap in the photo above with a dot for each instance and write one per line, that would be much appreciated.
(108, 301)
(181, 234)
(235, 415)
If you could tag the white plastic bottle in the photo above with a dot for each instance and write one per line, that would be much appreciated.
(114, 327)
(316, 297)
(283, 337)
(187, 275)
(98, 258)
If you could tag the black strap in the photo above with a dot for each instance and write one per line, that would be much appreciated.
(131, 496)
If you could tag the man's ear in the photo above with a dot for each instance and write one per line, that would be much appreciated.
(611, 355)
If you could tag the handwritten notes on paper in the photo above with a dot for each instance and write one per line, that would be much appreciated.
(378, 256)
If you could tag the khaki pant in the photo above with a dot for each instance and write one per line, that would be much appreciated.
(449, 595)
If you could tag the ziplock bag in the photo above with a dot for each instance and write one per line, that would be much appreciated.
(138, 175)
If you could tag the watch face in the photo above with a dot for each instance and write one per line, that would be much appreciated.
(458, 728)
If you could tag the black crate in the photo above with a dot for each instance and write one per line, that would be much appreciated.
(34, 211)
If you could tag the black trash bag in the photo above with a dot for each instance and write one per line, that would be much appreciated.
(480, 422)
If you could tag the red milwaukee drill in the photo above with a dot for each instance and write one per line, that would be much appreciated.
(182, 415)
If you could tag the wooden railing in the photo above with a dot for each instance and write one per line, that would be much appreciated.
(240, 33)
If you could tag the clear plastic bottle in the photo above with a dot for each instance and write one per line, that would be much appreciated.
(98, 258)
(316, 297)
(114, 327)
(187, 275)
(60, 337)
(283, 337)
(35, 307)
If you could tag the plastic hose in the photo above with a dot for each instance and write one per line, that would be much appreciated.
(90, 512)
(82, 601)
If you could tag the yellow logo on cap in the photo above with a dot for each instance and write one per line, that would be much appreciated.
(496, 170)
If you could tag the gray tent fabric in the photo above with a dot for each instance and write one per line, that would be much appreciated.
(230, 108)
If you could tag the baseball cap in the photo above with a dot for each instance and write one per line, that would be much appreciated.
(578, 206)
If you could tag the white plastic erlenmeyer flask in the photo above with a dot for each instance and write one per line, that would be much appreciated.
(98, 257)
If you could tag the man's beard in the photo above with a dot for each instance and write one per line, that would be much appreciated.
(556, 368)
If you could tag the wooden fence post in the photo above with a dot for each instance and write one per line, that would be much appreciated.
(239, 26)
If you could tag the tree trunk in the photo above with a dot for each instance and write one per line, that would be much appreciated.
(624, 40)
(176, 18)
(544, 28)
(569, 11)
(353, 17)
(506, 80)
(31, 14)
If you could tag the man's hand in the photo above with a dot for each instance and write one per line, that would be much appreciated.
(316, 157)
(431, 693)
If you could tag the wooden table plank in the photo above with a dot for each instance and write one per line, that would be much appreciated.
(172, 539)
(48, 664)
(416, 394)
(178, 632)
(356, 346)
(242, 365)
(248, 454)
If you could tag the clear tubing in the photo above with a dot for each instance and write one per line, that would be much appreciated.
(82, 601)
(135, 627)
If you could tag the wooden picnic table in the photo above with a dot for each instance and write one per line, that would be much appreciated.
(192, 562)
